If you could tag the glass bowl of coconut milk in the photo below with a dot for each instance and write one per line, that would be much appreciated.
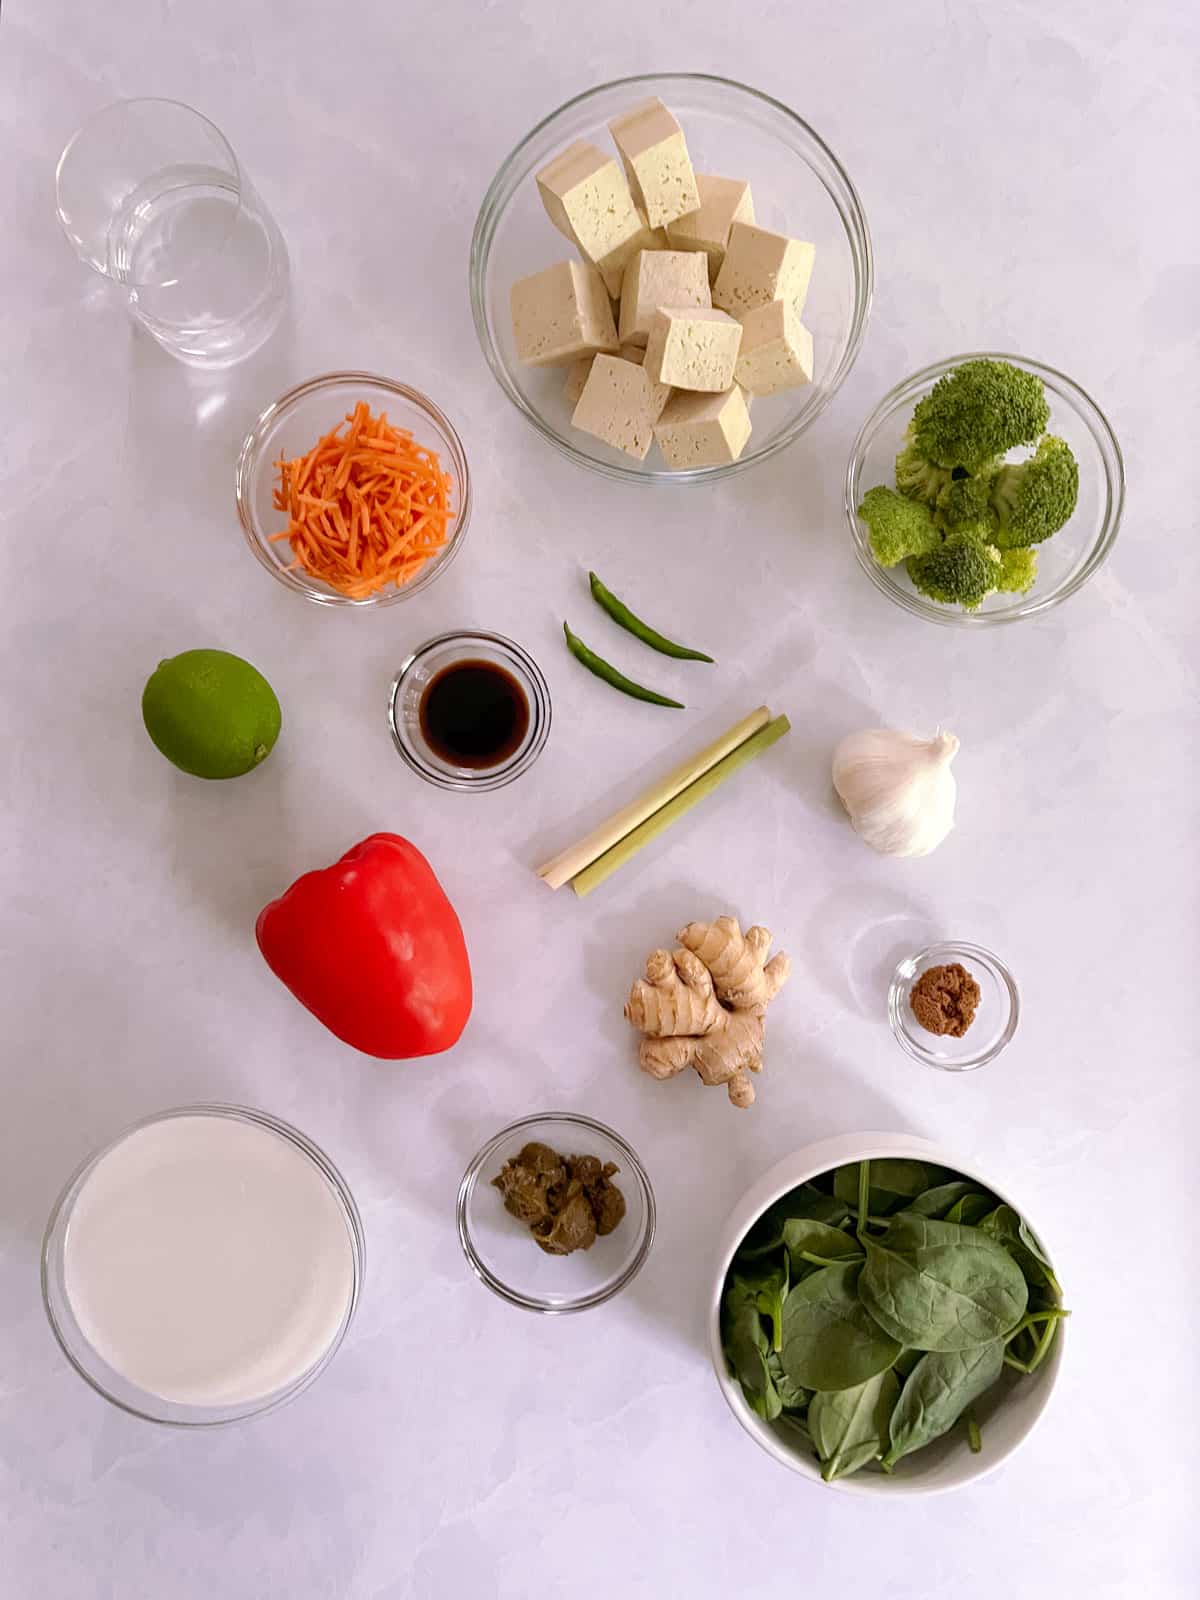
(203, 1267)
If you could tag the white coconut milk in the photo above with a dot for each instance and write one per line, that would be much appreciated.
(208, 1260)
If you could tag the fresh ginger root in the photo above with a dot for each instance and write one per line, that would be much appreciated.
(742, 976)
(702, 1006)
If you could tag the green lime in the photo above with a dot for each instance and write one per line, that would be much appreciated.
(211, 713)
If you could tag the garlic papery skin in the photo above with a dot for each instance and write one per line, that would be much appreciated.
(897, 788)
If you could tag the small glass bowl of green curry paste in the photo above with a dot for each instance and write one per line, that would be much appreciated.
(556, 1213)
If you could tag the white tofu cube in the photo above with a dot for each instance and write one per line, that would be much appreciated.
(703, 430)
(587, 199)
(691, 347)
(620, 405)
(655, 278)
(612, 267)
(777, 349)
(577, 372)
(657, 164)
(761, 266)
(560, 314)
(723, 201)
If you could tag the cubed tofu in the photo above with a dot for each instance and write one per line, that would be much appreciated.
(577, 372)
(703, 430)
(560, 314)
(657, 164)
(723, 201)
(761, 266)
(777, 349)
(691, 347)
(587, 198)
(612, 266)
(620, 405)
(655, 278)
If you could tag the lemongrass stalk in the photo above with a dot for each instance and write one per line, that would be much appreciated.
(604, 866)
(564, 866)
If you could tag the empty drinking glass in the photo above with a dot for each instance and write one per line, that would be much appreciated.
(152, 196)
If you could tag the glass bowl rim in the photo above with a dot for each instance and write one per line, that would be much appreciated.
(514, 1297)
(252, 446)
(1113, 466)
(354, 1227)
(541, 713)
(934, 955)
(854, 224)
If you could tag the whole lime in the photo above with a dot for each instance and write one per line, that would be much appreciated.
(211, 713)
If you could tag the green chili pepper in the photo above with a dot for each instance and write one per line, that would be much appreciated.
(620, 613)
(610, 675)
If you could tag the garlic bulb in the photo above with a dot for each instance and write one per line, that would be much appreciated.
(898, 789)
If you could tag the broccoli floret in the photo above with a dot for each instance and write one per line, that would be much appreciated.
(1032, 499)
(978, 411)
(917, 476)
(962, 572)
(964, 507)
(898, 527)
(1018, 571)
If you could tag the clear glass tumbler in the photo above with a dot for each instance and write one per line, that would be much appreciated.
(153, 197)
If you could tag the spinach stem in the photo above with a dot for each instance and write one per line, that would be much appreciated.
(1031, 1319)
(1043, 1345)
(829, 1261)
(864, 1195)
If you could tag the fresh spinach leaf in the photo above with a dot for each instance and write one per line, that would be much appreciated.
(850, 1427)
(790, 1422)
(1031, 1241)
(746, 1352)
(940, 1286)
(1009, 1229)
(971, 1208)
(937, 1392)
(906, 1361)
(829, 1340)
(893, 1183)
(766, 1233)
(825, 1208)
(937, 1201)
(792, 1397)
(764, 1285)
(804, 1235)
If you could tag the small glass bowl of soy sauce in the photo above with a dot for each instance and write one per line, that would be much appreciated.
(469, 710)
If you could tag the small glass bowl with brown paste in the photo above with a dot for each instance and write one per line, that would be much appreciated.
(953, 1006)
(527, 1236)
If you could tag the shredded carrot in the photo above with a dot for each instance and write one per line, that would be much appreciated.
(366, 508)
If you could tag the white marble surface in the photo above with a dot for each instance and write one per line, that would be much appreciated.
(1025, 172)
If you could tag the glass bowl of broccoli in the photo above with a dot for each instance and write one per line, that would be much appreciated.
(984, 489)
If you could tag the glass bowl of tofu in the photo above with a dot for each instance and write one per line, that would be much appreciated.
(671, 277)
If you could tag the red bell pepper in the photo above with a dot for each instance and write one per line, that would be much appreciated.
(373, 948)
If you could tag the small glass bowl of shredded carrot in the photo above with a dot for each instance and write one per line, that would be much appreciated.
(353, 490)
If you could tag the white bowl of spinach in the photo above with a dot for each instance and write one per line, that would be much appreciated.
(883, 1319)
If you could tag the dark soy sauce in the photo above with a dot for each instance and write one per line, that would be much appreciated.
(474, 714)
